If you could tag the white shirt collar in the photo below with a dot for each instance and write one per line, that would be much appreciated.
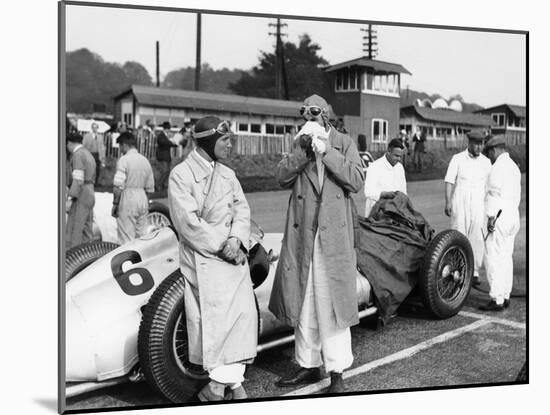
(208, 164)
(77, 148)
(387, 163)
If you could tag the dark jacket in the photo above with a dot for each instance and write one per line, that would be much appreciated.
(163, 147)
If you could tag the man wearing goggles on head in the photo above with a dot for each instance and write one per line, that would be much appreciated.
(314, 288)
(212, 217)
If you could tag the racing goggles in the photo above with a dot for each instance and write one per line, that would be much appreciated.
(311, 109)
(223, 128)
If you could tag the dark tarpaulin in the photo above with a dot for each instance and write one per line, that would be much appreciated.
(390, 246)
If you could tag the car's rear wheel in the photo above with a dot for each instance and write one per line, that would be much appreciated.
(158, 217)
(79, 257)
(445, 277)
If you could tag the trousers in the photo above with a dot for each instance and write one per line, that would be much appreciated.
(318, 338)
(232, 374)
(79, 224)
(97, 167)
(132, 215)
(498, 258)
(164, 168)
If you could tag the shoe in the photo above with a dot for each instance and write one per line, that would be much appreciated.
(492, 306)
(336, 383)
(238, 393)
(207, 394)
(475, 281)
(506, 302)
(301, 377)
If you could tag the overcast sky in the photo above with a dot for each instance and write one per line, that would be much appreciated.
(486, 68)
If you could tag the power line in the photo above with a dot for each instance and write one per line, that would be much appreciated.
(370, 41)
(280, 70)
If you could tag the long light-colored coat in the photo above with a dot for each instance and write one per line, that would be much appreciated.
(328, 211)
(207, 208)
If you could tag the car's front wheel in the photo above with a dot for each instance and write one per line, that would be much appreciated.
(80, 256)
(163, 346)
(445, 277)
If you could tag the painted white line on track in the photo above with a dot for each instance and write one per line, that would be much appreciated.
(403, 354)
(511, 323)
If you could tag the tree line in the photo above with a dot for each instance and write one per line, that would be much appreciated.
(91, 81)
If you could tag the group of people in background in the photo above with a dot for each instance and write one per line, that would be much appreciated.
(133, 181)
(314, 288)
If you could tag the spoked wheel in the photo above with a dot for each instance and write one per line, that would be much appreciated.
(80, 256)
(163, 345)
(158, 217)
(445, 277)
(451, 273)
(180, 351)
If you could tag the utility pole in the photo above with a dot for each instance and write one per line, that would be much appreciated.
(279, 63)
(158, 70)
(370, 44)
(198, 57)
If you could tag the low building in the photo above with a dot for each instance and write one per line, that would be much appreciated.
(444, 126)
(510, 120)
(248, 115)
(367, 98)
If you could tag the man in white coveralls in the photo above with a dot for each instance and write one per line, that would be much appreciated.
(465, 194)
(132, 182)
(503, 195)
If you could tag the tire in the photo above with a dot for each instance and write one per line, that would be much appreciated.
(158, 217)
(161, 333)
(445, 276)
(79, 257)
(162, 343)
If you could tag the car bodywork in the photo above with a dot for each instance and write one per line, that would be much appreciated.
(103, 304)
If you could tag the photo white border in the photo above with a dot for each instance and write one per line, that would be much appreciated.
(30, 176)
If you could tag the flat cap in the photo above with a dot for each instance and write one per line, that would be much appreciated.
(497, 140)
(476, 136)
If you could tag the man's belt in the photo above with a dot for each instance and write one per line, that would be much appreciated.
(88, 182)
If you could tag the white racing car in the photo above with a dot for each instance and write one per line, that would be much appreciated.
(125, 317)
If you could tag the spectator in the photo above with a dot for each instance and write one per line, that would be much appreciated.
(164, 156)
(149, 127)
(94, 143)
(406, 152)
(418, 139)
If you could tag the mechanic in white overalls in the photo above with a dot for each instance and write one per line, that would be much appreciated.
(465, 194)
(80, 198)
(133, 180)
(503, 195)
